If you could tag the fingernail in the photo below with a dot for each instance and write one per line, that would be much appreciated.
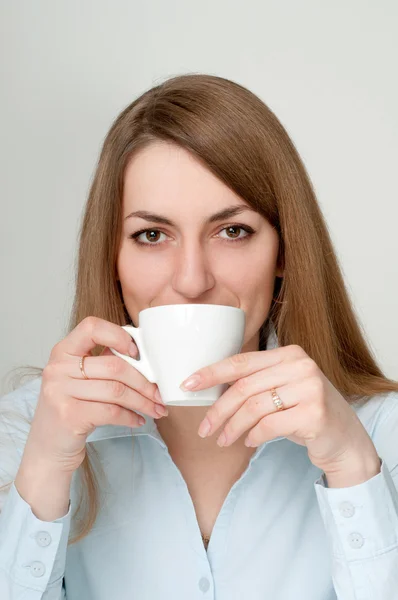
(133, 350)
(248, 443)
(161, 410)
(222, 439)
(190, 383)
(204, 428)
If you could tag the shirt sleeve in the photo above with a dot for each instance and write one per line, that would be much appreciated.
(32, 551)
(361, 522)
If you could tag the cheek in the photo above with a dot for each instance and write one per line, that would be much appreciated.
(249, 274)
(140, 276)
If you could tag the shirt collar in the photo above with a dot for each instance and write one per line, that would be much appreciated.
(105, 432)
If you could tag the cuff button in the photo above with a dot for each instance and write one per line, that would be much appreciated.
(43, 538)
(37, 569)
(356, 540)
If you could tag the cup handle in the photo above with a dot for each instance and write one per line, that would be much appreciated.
(141, 365)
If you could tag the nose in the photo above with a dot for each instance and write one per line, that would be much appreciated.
(192, 274)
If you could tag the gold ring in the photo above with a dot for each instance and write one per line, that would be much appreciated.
(276, 400)
(81, 365)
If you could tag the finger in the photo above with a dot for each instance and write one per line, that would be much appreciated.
(248, 390)
(92, 415)
(92, 332)
(107, 352)
(113, 392)
(114, 368)
(283, 424)
(251, 412)
(241, 365)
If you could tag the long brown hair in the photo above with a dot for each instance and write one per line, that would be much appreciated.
(240, 140)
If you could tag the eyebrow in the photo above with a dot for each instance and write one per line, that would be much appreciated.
(226, 213)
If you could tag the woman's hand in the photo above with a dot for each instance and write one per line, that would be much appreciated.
(316, 415)
(70, 407)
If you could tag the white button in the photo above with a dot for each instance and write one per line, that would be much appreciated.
(204, 584)
(346, 509)
(43, 538)
(356, 540)
(37, 569)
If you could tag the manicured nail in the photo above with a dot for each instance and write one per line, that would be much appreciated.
(190, 383)
(161, 410)
(204, 428)
(222, 439)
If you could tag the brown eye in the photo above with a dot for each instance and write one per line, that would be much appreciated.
(232, 229)
(233, 233)
(152, 235)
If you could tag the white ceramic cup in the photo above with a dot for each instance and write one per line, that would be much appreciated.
(175, 340)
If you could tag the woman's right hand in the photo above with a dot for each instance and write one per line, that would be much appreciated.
(70, 407)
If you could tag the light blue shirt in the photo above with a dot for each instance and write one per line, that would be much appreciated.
(281, 534)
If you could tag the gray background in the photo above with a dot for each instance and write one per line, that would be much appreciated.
(328, 70)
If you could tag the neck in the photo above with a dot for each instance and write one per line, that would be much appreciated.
(180, 431)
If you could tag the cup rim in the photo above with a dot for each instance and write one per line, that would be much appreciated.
(188, 306)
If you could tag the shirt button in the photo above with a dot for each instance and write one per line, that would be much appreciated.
(43, 538)
(346, 509)
(356, 540)
(204, 584)
(37, 569)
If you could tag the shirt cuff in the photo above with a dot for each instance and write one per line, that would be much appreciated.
(32, 551)
(361, 521)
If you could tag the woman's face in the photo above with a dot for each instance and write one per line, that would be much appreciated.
(194, 258)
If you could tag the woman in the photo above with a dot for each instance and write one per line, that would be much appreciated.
(199, 196)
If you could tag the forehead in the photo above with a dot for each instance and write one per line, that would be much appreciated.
(164, 175)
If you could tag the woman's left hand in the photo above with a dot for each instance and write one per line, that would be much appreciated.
(316, 415)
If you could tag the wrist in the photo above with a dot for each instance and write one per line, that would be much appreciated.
(45, 488)
(353, 472)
